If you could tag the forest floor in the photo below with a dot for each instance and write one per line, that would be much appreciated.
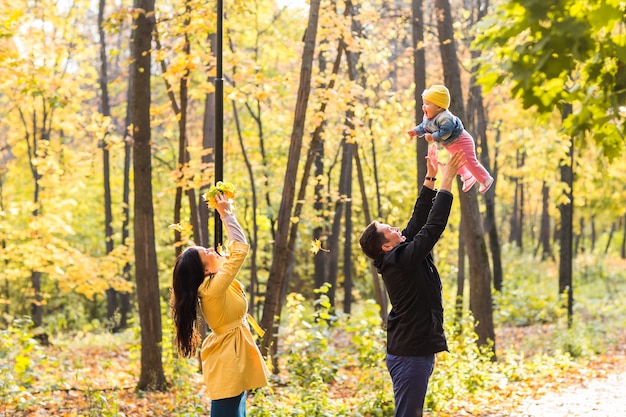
(100, 380)
(595, 390)
(596, 397)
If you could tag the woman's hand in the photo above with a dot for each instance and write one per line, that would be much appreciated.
(224, 207)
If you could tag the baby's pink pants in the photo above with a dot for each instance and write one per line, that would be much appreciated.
(465, 143)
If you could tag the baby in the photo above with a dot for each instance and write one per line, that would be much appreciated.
(441, 126)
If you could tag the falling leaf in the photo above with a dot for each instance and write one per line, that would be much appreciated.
(316, 246)
(176, 227)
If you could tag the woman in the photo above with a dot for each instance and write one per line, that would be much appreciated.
(231, 361)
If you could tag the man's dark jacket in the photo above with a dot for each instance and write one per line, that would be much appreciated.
(415, 323)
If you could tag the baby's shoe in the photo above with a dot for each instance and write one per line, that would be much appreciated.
(468, 182)
(484, 186)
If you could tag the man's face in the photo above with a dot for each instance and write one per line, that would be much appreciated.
(392, 236)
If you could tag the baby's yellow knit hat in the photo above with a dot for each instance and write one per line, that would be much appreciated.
(438, 95)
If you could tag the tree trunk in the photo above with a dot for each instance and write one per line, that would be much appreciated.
(180, 110)
(36, 307)
(281, 254)
(111, 294)
(610, 239)
(517, 216)
(345, 180)
(522, 200)
(623, 249)
(460, 277)
(477, 121)
(347, 247)
(320, 203)
(544, 230)
(514, 221)
(419, 76)
(566, 209)
(254, 235)
(208, 158)
(333, 240)
(352, 59)
(146, 271)
(320, 232)
(125, 304)
(379, 292)
(480, 273)
(7, 285)
(40, 132)
(593, 233)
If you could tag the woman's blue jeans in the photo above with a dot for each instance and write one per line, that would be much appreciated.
(229, 407)
(410, 375)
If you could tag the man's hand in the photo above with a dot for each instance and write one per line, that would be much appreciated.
(433, 161)
(457, 160)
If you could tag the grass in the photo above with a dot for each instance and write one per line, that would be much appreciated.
(333, 365)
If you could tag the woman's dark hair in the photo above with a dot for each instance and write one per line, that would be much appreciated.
(186, 279)
(372, 241)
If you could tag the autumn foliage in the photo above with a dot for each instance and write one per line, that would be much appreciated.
(544, 86)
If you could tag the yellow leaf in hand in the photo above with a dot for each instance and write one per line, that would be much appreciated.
(226, 188)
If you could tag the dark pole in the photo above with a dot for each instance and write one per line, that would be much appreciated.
(219, 116)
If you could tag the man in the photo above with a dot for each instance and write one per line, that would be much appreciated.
(415, 324)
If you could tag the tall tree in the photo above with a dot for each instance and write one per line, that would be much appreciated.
(282, 256)
(574, 65)
(180, 109)
(152, 376)
(125, 301)
(419, 76)
(623, 247)
(320, 204)
(379, 291)
(105, 110)
(566, 209)
(477, 123)
(348, 148)
(544, 228)
(480, 272)
(517, 215)
(208, 142)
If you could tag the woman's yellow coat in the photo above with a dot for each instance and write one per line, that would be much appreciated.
(231, 360)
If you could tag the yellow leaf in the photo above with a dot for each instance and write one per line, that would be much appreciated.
(316, 245)
(228, 189)
(176, 226)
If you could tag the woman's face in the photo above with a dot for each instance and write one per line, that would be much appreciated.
(211, 260)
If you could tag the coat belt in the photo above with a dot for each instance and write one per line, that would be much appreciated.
(246, 319)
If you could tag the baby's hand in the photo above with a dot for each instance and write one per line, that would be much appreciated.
(429, 138)
(412, 133)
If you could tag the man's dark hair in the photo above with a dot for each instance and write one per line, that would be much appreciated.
(372, 241)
